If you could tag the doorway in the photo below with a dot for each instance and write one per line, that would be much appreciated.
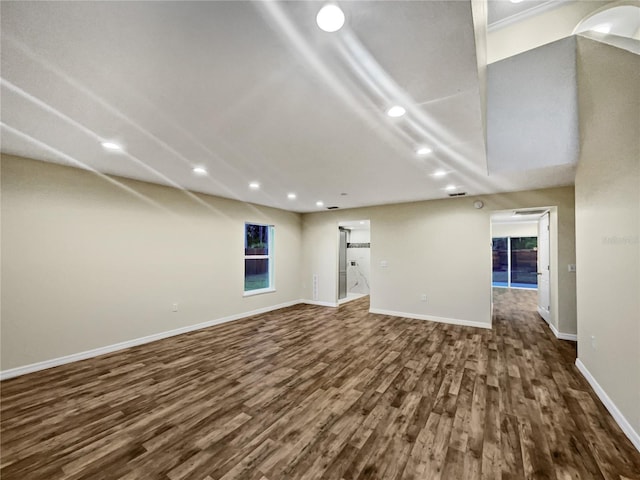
(354, 260)
(521, 259)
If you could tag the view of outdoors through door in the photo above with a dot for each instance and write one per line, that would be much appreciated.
(515, 262)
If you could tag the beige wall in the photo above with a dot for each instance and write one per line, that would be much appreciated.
(86, 263)
(90, 261)
(440, 248)
(607, 222)
(521, 229)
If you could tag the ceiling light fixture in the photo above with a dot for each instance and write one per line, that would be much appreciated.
(330, 18)
(516, 1)
(450, 187)
(291, 196)
(424, 151)
(439, 173)
(254, 185)
(602, 28)
(112, 146)
(396, 111)
(319, 203)
(199, 170)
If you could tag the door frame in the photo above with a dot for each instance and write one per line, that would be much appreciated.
(341, 224)
(346, 232)
(552, 211)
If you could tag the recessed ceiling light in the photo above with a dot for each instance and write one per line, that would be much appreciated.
(439, 173)
(396, 111)
(424, 151)
(450, 187)
(330, 18)
(516, 1)
(291, 196)
(362, 223)
(319, 203)
(602, 28)
(200, 170)
(112, 146)
(254, 185)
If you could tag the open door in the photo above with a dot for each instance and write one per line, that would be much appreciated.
(544, 271)
(342, 264)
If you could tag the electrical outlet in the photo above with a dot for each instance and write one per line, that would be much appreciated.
(423, 297)
(174, 307)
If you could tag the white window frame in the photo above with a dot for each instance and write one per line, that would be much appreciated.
(270, 257)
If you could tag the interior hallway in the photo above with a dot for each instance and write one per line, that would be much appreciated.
(515, 301)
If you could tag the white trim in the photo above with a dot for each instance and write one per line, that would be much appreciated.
(258, 291)
(572, 337)
(352, 298)
(624, 424)
(518, 288)
(320, 303)
(431, 318)
(74, 357)
(542, 312)
(523, 15)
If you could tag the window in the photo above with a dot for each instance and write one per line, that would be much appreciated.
(258, 258)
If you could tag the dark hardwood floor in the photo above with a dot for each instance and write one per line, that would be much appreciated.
(320, 393)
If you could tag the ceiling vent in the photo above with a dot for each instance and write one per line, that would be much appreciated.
(332, 208)
(459, 194)
(529, 212)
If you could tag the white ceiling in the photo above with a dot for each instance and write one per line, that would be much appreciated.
(254, 91)
(623, 21)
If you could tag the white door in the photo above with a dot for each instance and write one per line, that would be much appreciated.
(544, 297)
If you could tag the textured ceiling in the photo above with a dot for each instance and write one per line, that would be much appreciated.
(254, 91)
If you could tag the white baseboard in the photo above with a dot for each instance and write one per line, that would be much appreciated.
(572, 337)
(563, 336)
(74, 357)
(624, 424)
(351, 299)
(431, 318)
(543, 314)
(318, 302)
(560, 335)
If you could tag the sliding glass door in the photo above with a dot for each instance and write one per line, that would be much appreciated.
(501, 262)
(515, 262)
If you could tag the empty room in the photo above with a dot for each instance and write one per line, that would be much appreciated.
(274, 240)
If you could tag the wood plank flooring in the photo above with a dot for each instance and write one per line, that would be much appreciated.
(319, 393)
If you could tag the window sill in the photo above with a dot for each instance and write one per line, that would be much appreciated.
(251, 293)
